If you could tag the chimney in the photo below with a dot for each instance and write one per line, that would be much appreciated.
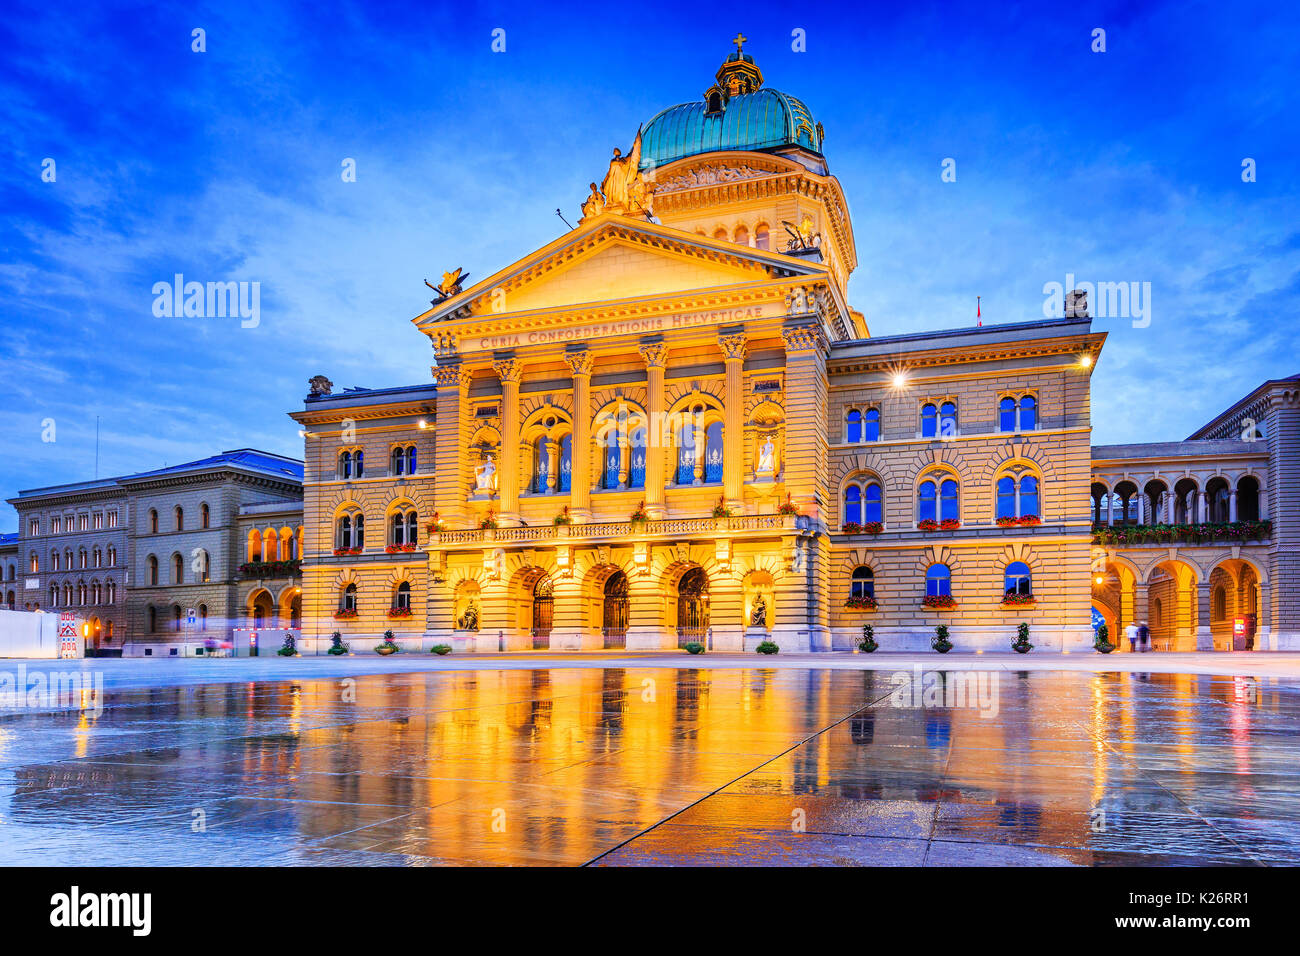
(1076, 304)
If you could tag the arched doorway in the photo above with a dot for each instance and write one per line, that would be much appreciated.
(93, 636)
(261, 610)
(613, 622)
(543, 613)
(692, 607)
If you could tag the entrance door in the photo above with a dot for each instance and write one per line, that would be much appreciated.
(614, 616)
(692, 607)
(543, 614)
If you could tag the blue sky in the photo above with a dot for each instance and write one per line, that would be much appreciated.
(225, 165)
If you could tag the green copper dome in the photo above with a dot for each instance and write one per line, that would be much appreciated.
(735, 113)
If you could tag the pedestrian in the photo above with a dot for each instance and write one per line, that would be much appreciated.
(1144, 636)
(1131, 632)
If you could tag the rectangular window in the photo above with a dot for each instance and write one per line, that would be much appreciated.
(33, 528)
(112, 519)
(98, 520)
(81, 522)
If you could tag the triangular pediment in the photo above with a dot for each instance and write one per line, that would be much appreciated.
(614, 258)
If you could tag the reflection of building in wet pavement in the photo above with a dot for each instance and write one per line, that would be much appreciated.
(661, 765)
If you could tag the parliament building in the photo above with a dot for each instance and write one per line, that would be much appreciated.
(669, 425)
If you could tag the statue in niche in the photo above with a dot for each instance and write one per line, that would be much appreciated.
(758, 616)
(767, 457)
(468, 621)
(485, 475)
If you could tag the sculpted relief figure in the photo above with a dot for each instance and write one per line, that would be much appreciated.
(758, 618)
(468, 621)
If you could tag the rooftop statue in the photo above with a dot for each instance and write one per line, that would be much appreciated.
(451, 285)
(623, 190)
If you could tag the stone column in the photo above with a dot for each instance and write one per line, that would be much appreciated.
(450, 488)
(658, 435)
(1142, 508)
(1202, 508)
(1204, 638)
(1141, 609)
(1110, 509)
(733, 427)
(509, 370)
(1232, 505)
(580, 365)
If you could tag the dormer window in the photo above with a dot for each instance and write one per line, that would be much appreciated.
(714, 102)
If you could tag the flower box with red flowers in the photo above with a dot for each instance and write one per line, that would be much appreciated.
(353, 551)
(873, 527)
(788, 507)
(949, 524)
(938, 601)
(861, 604)
(394, 612)
(392, 549)
(1029, 520)
(340, 551)
(1018, 600)
(409, 546)
(1005, 522)
(345, 615)
(851, 527)
(927, 524)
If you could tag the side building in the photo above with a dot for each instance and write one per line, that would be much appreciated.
(134, 555)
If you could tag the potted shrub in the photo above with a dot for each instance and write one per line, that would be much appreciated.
(440, 649)
(941, 642)
(720, 514)
(289, 648)
(436, 525)
(767, 647)
(337, 646)
(694, 647)
(489, 522)
(563, 519)
(639, 516)
(789, 513)
(387, 645)
(1101, 643)
(868, 642)
(1021, 644)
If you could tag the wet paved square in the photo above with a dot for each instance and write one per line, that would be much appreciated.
(657, 765)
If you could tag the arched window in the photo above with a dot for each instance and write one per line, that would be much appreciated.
(1028, 413)
(947, 420)
(204, 567)
(1006, 495)
(1219, 604)
(621, 437)
(937, 500)
(34, 563)
(348, 598)
(397, 462)
(180, 518)
(153, 521)
(871, 425)
(852, 505)
(853, 433)
(929, 421)
(203, 617)
(741, 238)
(205, 516)
(715, 102)
(176, 618)
(1029, 506)
(397, 534)
(151, 613)
(566, 463)
(410, 459)
(97, 558)
(112, 556)
(345, 465)
(873, 504)
(359, 464)
(720, 233)
(541, 464)
(863, 583)
(54, 561)
(178, 569)
(82, 559)
(402, 597)
(54, 595)
(412, 528)
(938, 581)
(686, 454)
(1016, 579)
(111, 592)
(762, 239)
(151, 570)
(713, 452)
(1007, 414)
